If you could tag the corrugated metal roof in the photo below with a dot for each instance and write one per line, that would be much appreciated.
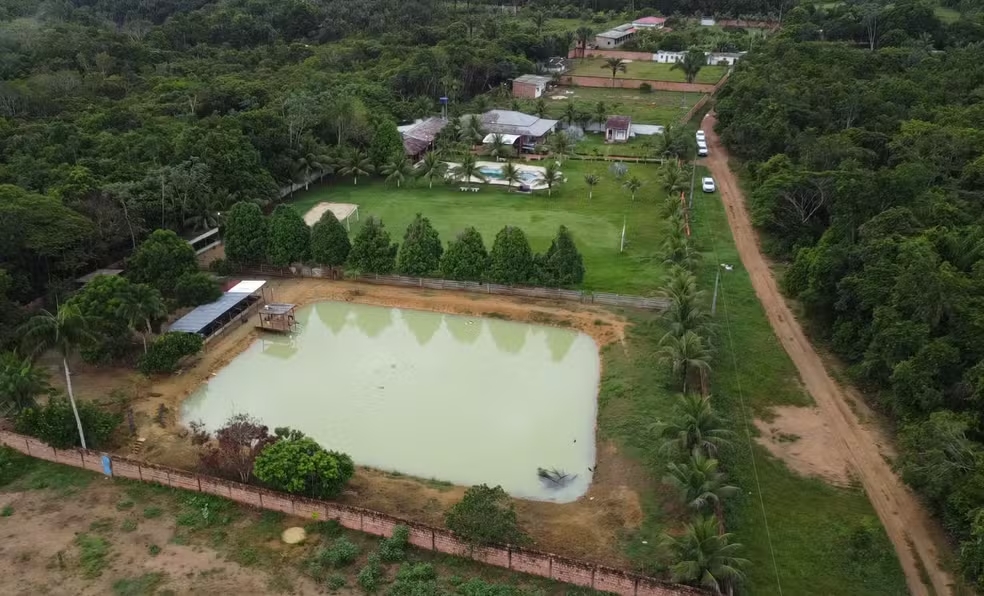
(206, 314)
(248, 285)
(532, 79)
(618, 122)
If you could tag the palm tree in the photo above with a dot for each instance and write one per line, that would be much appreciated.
(615, 65)
(591, 180)
(62, 331)
(432, 167)
(559, 144)
(540, 108)
(674, 178)
(632, 185)
(701, 484)
(571, 114)
(694, 426)
(499, 148)
(398, 169)
(538, 20)
(684, 312)
(467, 169)
(21, 381)
(356, 164)
(203, 212)
(310, 162)
(567, 40)
(510, 173)
(143, 306)
(705, 558)
(691, 64)
(684, 354)
(472, 132)
(600, 113)
(550, 176)
(583, 35)
(677, 249)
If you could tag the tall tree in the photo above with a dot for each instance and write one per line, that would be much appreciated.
(511, 259)
(559, 144)
(420, 253)
(144, 306)
(289, 237)
(467, 170)
(21, 381)
(372, 250)
(330, 245)
(466, 258)
(245, 234)
(356, 164)
(562, 265)
(583, 35)
(685, 354)
(160, 260)
(63, 331)
(692, 62)
(511, 174)
(616, 65)
(386, 142)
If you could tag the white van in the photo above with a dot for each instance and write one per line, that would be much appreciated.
(702, 148)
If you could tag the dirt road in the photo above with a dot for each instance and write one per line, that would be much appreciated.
(916, 537)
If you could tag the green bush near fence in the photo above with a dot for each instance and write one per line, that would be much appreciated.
(168, 350)
(54, 423)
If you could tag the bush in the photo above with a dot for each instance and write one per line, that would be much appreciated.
(370, 575)
(297, 464)
(466, 258)
(393, 548)
(342, 552)
(290, 238)
(421, 251)
(511, 259)
(233, 453)
(221, 267)
(196, 288)
(330, 244)
(54, 423)
(168, 350)
(372, 251)
(485, 516)
(100, 301)
(562, 265)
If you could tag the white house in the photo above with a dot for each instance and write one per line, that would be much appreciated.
(615, 37)
(664, 57)
(712, 59)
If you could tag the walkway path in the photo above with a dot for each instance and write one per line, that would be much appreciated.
(915, 535)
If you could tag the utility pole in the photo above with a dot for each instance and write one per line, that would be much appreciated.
(717, 281)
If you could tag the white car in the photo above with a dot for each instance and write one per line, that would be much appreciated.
(708, 184)
(701, 149)
(701, 137)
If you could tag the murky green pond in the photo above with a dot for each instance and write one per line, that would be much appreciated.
(459, 399)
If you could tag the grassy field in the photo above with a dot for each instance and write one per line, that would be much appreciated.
(594, 144)
(827, 540)
(596, 224)
(71, 531)
(651, 71)
(656, 107)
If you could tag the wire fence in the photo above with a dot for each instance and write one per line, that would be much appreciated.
(584, 297)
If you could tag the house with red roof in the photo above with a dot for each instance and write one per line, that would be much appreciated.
(649, 23)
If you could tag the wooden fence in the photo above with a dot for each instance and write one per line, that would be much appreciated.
(606, 299)
(425, 537)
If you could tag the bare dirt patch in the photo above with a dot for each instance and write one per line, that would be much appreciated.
(803, 439)
(340, 210)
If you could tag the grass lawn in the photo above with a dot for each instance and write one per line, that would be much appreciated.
(827, 540)
(656, 107)
(596, 224)
(594, 144)
(652, 71)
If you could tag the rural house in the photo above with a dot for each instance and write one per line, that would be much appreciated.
(530, 86)
(617, 129)
(649, 23)
(418, 138)
(530, 129)
(615, 37)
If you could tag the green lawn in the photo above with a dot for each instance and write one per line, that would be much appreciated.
(596, 224)
(651, 71)
(656, 107)
(594, 144)
(812, 523)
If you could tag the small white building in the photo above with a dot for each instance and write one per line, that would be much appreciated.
(665, 57)
(711, 59)
(614, 38)
(707, 21)
(649, 23)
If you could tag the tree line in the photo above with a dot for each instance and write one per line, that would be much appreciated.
(865, 163)
(284, 238)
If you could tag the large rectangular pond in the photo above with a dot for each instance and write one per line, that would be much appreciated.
(461, 399)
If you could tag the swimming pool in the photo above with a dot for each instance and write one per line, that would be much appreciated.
(525, 175)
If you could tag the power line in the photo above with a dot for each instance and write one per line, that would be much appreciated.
(741, 401)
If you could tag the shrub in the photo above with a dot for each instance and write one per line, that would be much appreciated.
(168, 350)
(562, 265)
(511, 259)
(297, 464)
(100, 302)
(466, 258)
(421, 251)
(485, 516)
(290, 237)
(372, 251)
(233, 454)
(161, 260)
(54, 423)
(342, 552)
(196, 288)
(370, 575)
(21, 381)
(393, 548)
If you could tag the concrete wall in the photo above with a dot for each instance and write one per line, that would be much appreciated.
(522, 560)
(582, 81)
(526, 90)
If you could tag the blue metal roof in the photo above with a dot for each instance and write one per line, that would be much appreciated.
(206, 314)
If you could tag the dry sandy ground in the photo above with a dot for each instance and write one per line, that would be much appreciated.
(39, 556)
(341, 211)
(918, 540)
(589, 528)
(803, 439)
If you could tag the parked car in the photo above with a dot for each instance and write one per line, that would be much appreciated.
(707, 183)
(702, 148)
(700, 137)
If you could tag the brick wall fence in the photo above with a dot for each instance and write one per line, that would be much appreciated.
(425, 537)
(700, 104)
(583, 81)
(593, 53)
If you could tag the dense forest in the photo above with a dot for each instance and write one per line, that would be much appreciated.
(861, 131)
